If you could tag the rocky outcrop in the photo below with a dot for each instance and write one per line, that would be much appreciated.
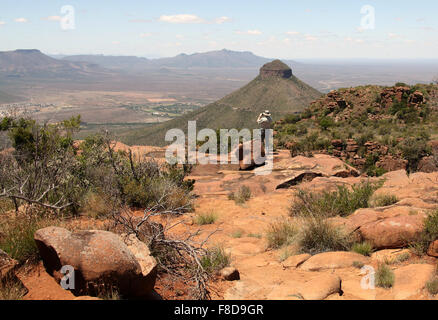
(98, 257)
(275, 69)
(302, 169)
(389, 163)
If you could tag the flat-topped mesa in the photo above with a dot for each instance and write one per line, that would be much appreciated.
(275, 69)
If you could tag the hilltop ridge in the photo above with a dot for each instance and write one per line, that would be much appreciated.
(275, 88)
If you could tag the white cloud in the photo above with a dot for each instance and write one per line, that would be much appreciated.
(221, 20)
(145, 35)
(21, 20)
(2, 23)
(52, 18)
(250, 32)
(393, 35)
(116, 42)
(310, 38)
(182, 18)
(293, 33)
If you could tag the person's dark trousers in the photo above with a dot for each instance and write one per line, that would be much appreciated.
(263, 135)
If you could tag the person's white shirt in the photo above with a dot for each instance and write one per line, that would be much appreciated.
(264, 121)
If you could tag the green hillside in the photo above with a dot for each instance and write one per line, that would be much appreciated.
(275, 89)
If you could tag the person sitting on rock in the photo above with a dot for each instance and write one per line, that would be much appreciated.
(265, 121)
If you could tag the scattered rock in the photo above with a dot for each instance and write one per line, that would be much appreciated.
(389, 163)
(97, 256)
(321, 287)
(393, 232)
(229, 274)
(433, 249)
(333, 260)
(411, 279)
(296, 261)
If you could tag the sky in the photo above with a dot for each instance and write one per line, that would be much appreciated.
(286, 29)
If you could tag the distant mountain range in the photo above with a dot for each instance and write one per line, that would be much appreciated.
(34, 63)
(213, 59)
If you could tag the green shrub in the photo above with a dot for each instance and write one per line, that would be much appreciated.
(428, 235)
(11, 289)
(317, 235)
(17, 237)
(237, 234)
(280, 233)
(384, 200)
(205, 218)
(432, 286)
(402, 257)
(98, 205)
(384, 277)
(215, 259)
(364, 248)
(286, 253)
(292, 118)
(341, 202)
(414, 149)
(242, 195)
(358, 264)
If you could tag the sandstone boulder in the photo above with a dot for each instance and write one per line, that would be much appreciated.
(321, 287)
(295, 261)
(433, 249)
(229, 274)
(392, 232)
(98, 257)
(411, 279)
(333, 260)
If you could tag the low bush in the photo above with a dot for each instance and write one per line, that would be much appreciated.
(242, 195)
(215, 259)
(432, 286)
(11, 289)
(281, 233)
(428, 235)
(364, 248)
(317, 235)
(383, 200)
(17, 236)
(384, 277)
(341, 202)
(205, 218)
